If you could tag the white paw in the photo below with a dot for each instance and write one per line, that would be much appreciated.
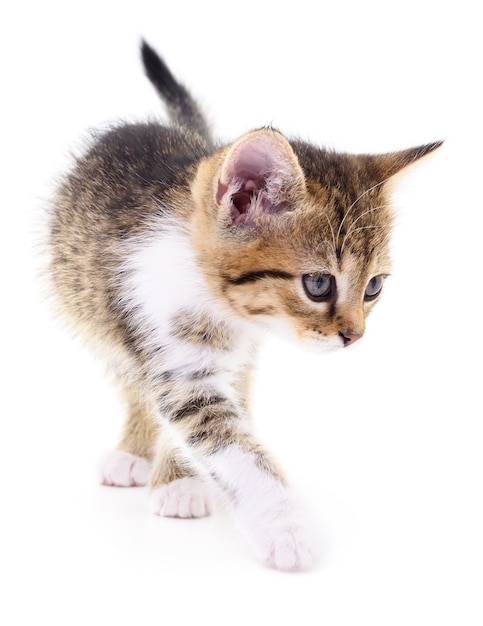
(122, 469)
(184, 497)
(289, 546)
(282, 534)
(265, 510)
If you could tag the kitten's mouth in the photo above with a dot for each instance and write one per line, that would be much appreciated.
(316, 342)
(321, 344)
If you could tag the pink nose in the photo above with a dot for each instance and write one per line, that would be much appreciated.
(349, 337)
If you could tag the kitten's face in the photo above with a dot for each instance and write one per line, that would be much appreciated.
(296, 238)
(313, 274)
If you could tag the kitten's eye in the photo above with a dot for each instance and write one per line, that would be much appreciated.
(317, 286)
(374, 287)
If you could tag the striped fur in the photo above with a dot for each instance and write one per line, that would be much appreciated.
(172, 257)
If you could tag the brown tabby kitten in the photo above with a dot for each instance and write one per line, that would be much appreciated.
(173, 255)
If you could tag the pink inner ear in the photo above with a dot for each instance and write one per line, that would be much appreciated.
(242, 200)
(253, 161)
(260, 167)
(253, 164)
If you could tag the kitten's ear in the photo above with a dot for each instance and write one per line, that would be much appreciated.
(259, 175)
(384, 166)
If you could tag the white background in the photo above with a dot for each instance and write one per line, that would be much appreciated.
(384, 441)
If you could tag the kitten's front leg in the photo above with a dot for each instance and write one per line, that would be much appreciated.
(265, 509)
(243, 477)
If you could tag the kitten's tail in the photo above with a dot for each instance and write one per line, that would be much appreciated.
(182, 108)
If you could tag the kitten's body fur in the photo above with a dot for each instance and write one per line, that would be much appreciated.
(172, 255)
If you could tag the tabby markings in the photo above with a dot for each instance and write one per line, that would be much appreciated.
(194, 405)
(251, 277)
(200, 329)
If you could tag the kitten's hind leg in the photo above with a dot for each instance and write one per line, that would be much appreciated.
(129, 464)
(122, 469)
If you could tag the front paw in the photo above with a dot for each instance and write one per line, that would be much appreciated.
(184, 497)
(289, 546)
(283, 535)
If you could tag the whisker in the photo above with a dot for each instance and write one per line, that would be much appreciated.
(355, 231)
(326, 243)
(381, 206)
(334, 246)
(356, 201)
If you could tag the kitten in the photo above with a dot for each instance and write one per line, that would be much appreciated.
(172, 255)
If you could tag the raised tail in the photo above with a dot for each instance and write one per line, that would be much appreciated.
(182, 108)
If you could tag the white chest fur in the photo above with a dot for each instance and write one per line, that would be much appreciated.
(163, 282)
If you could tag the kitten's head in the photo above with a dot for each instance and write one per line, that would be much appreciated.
(297, 236)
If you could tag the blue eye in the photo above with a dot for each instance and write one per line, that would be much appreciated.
(374, 288)
(318, 287)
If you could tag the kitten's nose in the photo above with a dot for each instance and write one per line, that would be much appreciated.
(349, 336)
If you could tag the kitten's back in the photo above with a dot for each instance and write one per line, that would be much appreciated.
(132, 175)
